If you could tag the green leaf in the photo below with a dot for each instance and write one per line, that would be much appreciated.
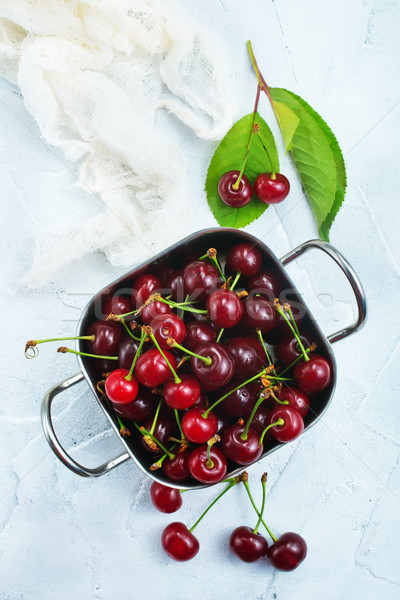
(316, 154)
(230, 156)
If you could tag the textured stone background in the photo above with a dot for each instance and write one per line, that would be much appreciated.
(339, 485)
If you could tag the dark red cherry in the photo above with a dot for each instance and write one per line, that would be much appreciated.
(288, 349)
(200, 468)
(288, 551)
(199, 429)
(175, 286)
(271, 188)
(140, 408)
(224, 308)
(202, 401)
(259, 313)
(164, 498)
(297, 399)
(118, 305)
(107, 338)
(198, 332)
(247, 545)
(168, 326)
(151, 369)
(164, 429)
(230, 196)
(260, 419)
(102, 365)
(153, 310)
(246, 356)
(240, 402)
(224, 421)
(143, 287)
(242, 452)
(293, 423)
(200, 278)
(176, 469)
(126, 353)
(218, 372)
(265, 283)
(119, 389)
(179, 543)
(245, 258)
(314, 375)
(184, 394)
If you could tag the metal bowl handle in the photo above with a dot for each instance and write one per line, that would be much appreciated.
(55, 445)
(351, 277)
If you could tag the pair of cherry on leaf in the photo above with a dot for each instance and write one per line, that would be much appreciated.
(235, 188)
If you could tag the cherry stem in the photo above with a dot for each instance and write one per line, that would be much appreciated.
(34, 343)
(138, 352)
(234, 282)
(209, 462)
(178, 421)
(206, 359)
(181, 305)
(157, 345)
(212, 255)
(253, 132)
(144, 432)
(246, 485)
(264, 145)
(154, 423)
(232, 482)
(263, 482)
(261, 81)
(128, 330)
(159, 462)
(280, 310)
(64, 350)
(219, 335)
(251, 417)
(278, 423)
(264, 347)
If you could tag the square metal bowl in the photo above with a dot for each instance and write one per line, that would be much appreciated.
(197, 244)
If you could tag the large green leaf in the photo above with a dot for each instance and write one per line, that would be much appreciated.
(316, 154)
(229, 156)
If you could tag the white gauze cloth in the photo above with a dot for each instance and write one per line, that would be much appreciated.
(93, 74)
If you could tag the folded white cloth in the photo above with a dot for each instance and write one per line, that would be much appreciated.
(93, 73)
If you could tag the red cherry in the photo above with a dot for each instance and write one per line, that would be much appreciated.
(184, 394)
(118, 305)
(143, 287)
(163, 430)
(216, 374)
(247, 545)
(260, 419)
(240, 402)
(200, 278)
(259, 313)
(313, 375)
(153, 310)
(246, 355)
(175, 285)
(229, 195)
(293, 423)
(177, 468)
(224, 308)
(127, 351)
(200, 468)
(151, 369)
(297, 399)
(265, 283)
(107, 338)
(164, 498)
(119, 389)
(288, 349)
(199, 429)
(288, 552)
(245, 258)
(271, 190)
(140, 408)
(179, 543)
(198, 332)
(166, 326)
(242, 452)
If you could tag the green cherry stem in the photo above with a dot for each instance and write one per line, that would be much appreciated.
(277, 423)
(64, 350)
(263, 482)
(157, 345)
(209, 462)
(137, 354)
(144, 432)
(280, 310)
(128, 330)
(154, 423)
(246, 485)
(286, 369)
(159, 462)
(180, 305)
(230, 485)
(234, 282)
(206, 359)
(178, 422)
(260, 400)
(31, 344)
(219, 335)
(212, 255)
(253, 132)
(264, 347)
(264, 145)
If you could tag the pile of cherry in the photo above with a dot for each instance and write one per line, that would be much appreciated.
(186, 364)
